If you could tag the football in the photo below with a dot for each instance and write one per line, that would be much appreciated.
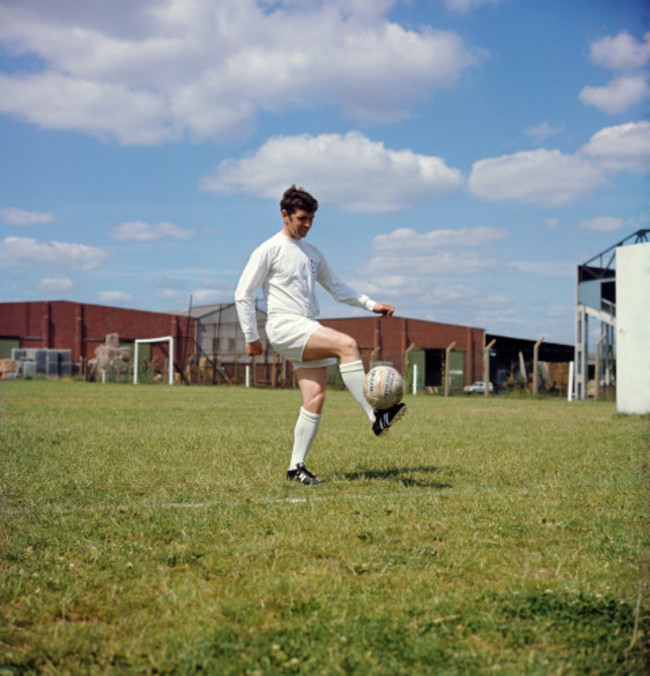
(383, 387)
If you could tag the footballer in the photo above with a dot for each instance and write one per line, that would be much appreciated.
(287, 269)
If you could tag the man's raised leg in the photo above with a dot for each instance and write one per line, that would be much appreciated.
(326, 342)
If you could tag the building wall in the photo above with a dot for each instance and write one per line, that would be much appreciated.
(81, 328)
(379, 339)
(390, 337)
(219, 332)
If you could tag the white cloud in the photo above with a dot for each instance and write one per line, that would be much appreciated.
(542, 132)
(174, 295)
(622, 147)
(628, 56)
(143, 232)
(209, 296)
(19, 251)
(464, 6)
(157, 70)
(114, 297)
(434, 264)
(348, 171)
(405, 262)
(15, 216)
(202, 296)
(467, 304)
(622, 52)
(606, 224)
(433, 270)
(546, 268)
(617, 96)
(55, 285)
(105, 110)
(544, 177)
(405, 241)
(430, 269)
(561, 312)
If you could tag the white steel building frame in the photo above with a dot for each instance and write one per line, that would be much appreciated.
(596, 298)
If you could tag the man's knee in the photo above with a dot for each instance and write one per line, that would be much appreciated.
(348, 347)
(313, 402)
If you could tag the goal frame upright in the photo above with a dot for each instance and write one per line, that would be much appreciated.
(162, 339)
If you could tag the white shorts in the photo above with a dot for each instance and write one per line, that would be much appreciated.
(288, 335)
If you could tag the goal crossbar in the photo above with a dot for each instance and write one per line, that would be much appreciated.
(162, 339)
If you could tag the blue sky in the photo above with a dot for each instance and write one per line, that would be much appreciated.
(466, 154)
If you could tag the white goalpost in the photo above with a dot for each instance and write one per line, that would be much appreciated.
(163, 339)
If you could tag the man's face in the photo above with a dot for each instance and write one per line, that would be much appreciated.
(297, 224)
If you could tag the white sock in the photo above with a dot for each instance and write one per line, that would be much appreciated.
(303, 436)
(353, 376)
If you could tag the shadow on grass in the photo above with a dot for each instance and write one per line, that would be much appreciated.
(401, 475)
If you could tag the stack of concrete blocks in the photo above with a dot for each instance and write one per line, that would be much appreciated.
(8, 369)
(110, 358)
(42, 362)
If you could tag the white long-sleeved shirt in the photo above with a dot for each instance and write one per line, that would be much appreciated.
(287, 271)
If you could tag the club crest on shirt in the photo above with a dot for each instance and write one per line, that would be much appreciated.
(312, 265)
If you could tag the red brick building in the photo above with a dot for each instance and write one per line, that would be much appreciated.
(212, 336)
(81, 328)
(398, 339)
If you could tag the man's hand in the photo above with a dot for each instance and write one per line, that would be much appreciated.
(385, 309)
(254, 348)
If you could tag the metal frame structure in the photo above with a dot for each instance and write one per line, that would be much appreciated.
(162, 339)
(596, 298)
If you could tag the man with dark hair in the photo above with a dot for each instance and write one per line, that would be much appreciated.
(297, 198)
(287, 269)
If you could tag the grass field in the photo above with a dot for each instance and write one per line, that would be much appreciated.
(149, 529)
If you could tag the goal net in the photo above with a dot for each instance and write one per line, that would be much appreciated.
(164, 339)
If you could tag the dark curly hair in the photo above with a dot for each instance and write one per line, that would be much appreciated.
(297, 198)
